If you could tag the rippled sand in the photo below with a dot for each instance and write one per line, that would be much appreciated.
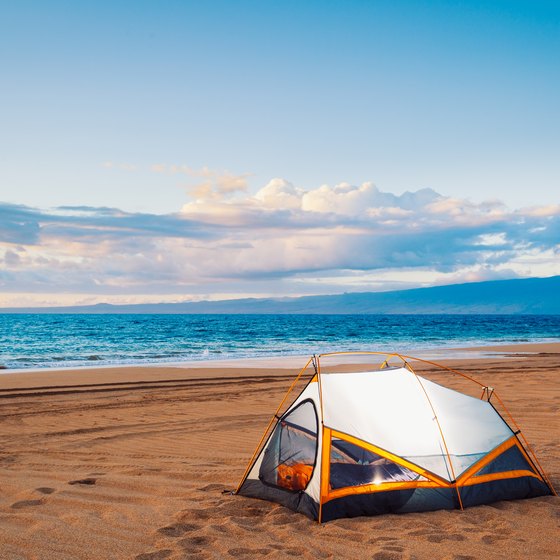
(132, 463)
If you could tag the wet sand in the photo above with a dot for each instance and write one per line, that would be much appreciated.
(132, 462)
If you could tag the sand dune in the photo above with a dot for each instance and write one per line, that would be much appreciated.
(132, 463)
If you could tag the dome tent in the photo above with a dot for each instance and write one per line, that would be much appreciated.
(389, 440)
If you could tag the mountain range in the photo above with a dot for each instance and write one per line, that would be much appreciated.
(517, 296)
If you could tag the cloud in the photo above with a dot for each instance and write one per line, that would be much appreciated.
(18, 224)
(352, 200)
(28, 226)
(295, 231)
(215, 185)
(542, 211)
(342, 199)
(13, 258)
(280, 193)
(362, 228)
(230, 240)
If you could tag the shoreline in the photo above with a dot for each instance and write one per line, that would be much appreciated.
(293, 359)
(286, 366)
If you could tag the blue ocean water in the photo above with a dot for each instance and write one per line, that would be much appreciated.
(58, 340)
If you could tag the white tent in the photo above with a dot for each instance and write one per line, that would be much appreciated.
(389, 440)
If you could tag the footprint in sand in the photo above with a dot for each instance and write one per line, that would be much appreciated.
(26, 503)
(198, 513)
(248, 552)
(195, 544)
(491, 539)
(219, 528)
(438, 538)
(45, 490)
(247, 524)
(178, 529)
(347, 525)
(84, 481)
(415, 533)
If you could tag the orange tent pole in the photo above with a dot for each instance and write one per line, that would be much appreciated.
(440, 432)
(324, 472)
(323, 437)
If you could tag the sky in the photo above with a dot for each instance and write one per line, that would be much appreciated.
(177, 150)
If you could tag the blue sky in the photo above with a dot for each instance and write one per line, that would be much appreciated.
(203, 123)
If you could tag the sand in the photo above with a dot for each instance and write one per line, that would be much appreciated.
(131, 463)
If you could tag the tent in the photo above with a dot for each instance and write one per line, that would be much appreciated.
(389, 440)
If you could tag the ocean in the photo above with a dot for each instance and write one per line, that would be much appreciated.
(57, 340)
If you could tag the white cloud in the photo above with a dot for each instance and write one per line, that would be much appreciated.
(280, 194)
(343, 199)
(491, 239)
(542, 211)
(346, 199)
(227, 240)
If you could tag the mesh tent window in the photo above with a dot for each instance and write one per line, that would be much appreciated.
(290, 456)
(352, 465)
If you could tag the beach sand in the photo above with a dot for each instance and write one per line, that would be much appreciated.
(131, 463)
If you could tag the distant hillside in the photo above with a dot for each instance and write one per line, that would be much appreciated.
(520, 296)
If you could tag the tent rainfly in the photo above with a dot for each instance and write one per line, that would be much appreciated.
(389, 440)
